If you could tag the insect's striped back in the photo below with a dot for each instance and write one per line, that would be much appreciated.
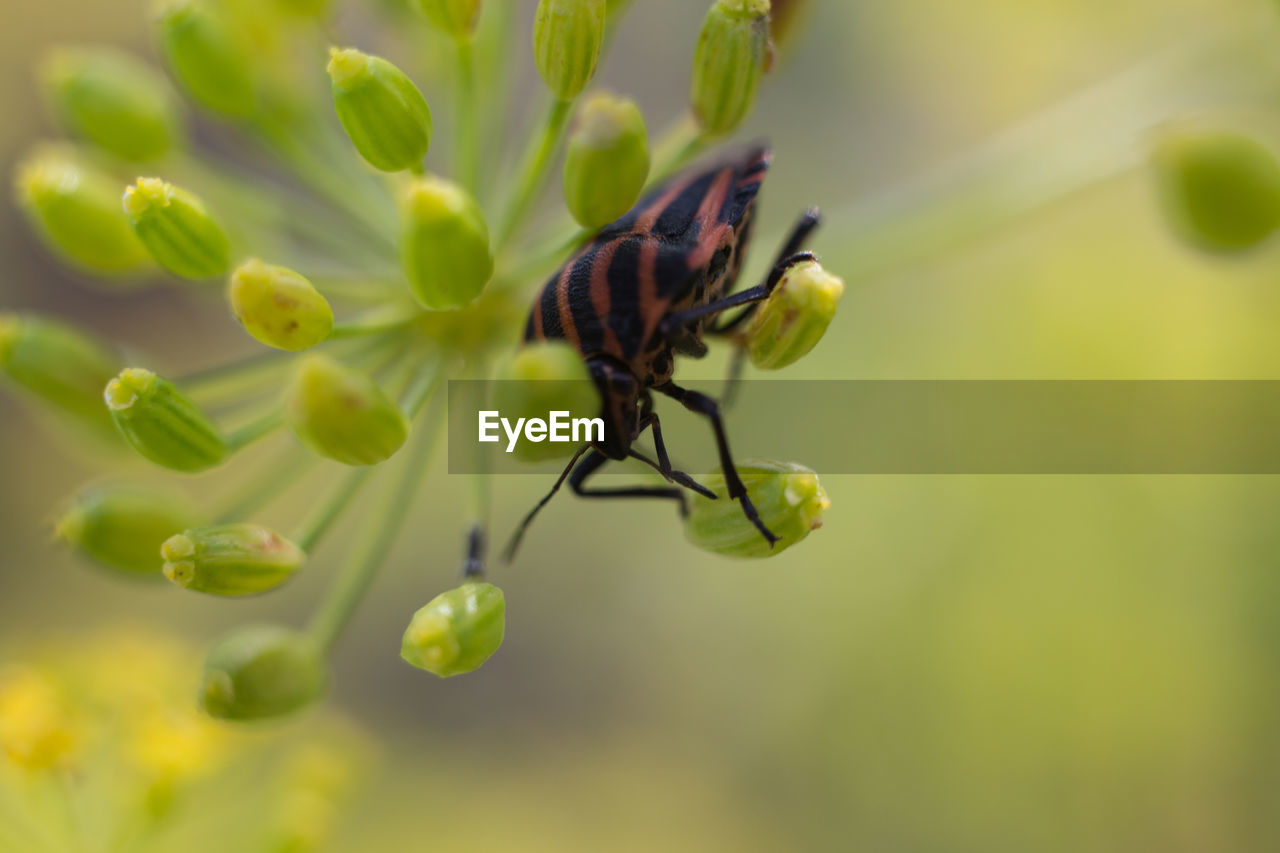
(613, 294)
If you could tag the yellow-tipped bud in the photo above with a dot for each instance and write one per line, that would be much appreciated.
(162, 423)
(790, 501)
(567, 35)
(1220, 189)
(58, 365)
(456, 631)
(456, 17)
(177, 229)
(279, 307)
(76, 210)
(206, 57)
(121, 526)
(260, 672)
(541, 378)
(384, 114)
(445, 245)
(731, 56)
(114, 100)
(230, 559)
(794, 318)
(342, 414)
(607, 162)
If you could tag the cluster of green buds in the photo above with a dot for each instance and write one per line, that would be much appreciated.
(370, 267)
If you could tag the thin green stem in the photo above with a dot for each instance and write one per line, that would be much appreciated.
(258, 428)
(373, 322)
(467, 141)
(542, 260)
(322, 519)
(268, 484)
(388, 517)
(535, 166)
(676, 148)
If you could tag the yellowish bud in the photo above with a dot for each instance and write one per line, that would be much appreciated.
(457, 631)
(230, 559)
(541, 378)
(607, 162)
(445, 245)
(177, 229)
(567, 35)
(207, 58)
(383, 112)
(342, 414)
(788, 497)
(162, 423)
(731, 56)
(261, 672)
(279, 307)
(121, 526)
(58, 365)
(794, 318)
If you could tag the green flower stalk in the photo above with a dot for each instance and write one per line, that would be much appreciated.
(457, 18)
(567, 35)
(262, 672)
(279, 307)
(162, 423)
(121, 525)
(207, 58)
(230, 559)
(445, 244)
(114, 100)
(58, 365)
(177, 229)
(1219, 189)
(788, 496)
(384, 114)
(732, 54)
(457, 631)
(607, 161)
(342, 414)
(76, 209)
(543, 377)
(794, 318)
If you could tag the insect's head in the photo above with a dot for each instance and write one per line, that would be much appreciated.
(619, 393)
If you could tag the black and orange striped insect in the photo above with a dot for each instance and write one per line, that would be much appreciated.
(647, 288)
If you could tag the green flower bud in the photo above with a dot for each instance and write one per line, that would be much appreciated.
(732, 53)
(279, 307)
(1220, 190)
(607, 162)
(121, 526)
(114, 100)
(58, 365)
(76, 209)
(545, 377)
(567, 35)
(162, 423)
(795, 316)
(456, 17)
(206, 58)
(384, 114)
(790, 501)
(262, 671)
(342, 414)
(456, 631)
(445, 248)
(177, 229)
(230, 559)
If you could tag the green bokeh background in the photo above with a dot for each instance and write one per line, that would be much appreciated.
(952, 663)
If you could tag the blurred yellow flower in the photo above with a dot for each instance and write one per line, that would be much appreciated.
(36, 730)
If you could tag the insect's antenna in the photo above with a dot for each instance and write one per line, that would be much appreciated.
(509, 553)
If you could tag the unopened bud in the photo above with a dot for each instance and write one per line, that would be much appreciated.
(162, 423)
(456, 17)
(607, 161)
(206, 57)
(76, 209)
(177, 230)
(260, 672)
(446, 253)
(456, 631)
(384, 114)
(788, 497)
(342, 414)
(57, 364)
(114, 100)
(279, 307)
(230, 559)
(794, 318)
(1220, 190)
(567, 35)
(541, 378)
(727, 65)
(121, 526)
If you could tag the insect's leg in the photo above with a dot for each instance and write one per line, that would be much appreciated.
(595, 461)
(473, 566)
(675, 324)
(806, 225)
(649, 419)
(704, 405)
(510, 552)
(775, 276)
(791, 253)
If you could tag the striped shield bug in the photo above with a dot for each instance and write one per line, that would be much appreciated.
(647, 288)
